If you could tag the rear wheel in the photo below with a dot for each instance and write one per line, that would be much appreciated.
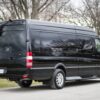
(24, 83)
(58, 79)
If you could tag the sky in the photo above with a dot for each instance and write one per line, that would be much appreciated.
(76, 3)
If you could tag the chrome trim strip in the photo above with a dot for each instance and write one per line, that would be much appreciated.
(65, 58)
(72, 67)
(44, 68)
(83, 67)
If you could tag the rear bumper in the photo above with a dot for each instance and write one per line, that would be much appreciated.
(13, 74)
(13, 69)
(38, 74)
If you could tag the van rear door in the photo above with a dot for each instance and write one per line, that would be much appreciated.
(13, 44)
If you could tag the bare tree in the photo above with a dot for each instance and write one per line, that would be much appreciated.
(54, 11)
(34, 9)
(87, 15)
(92, 8)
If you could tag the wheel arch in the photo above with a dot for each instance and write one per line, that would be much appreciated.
(61, 66)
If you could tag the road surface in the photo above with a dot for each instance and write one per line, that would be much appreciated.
(87, 90)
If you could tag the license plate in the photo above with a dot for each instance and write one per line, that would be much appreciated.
(2, 71)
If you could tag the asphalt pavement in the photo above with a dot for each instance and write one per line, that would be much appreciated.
(85, 90)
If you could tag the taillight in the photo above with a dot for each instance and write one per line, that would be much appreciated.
(29, 60)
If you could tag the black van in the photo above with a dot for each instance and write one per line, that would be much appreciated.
(47, 52)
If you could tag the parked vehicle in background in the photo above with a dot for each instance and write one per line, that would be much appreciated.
(47, 52)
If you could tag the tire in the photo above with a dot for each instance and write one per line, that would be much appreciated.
(58, 79)
(24, 83)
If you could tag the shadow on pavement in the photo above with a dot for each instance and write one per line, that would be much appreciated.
(81, 83)
(44, 88)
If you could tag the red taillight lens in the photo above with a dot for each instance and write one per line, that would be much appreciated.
(29, 60)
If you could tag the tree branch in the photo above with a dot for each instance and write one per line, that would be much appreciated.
(58, 10)
(14, 5)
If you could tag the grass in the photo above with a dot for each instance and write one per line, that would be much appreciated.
(7, 84)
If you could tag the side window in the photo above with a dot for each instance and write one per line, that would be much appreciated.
(69, 44)
(35, 42)
(50, 44)
(97, 44)
(85, 44)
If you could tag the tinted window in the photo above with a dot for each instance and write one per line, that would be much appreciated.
(46, 43)
(97, 44)
(58, 44)
(51, 45)
(13, 40)
(85, 44)
(69, 44)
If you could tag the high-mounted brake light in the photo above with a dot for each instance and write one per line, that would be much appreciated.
(29, 60)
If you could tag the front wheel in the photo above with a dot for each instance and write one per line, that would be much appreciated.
(58, 79)
(24, 83)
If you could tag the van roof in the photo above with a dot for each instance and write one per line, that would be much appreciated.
(59, 25)
(46, 23)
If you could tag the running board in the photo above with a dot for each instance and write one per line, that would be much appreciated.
(73, 78)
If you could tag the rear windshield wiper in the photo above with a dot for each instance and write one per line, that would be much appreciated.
(2, 26)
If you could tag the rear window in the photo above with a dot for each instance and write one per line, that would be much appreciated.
(14, 37)
(13, 33)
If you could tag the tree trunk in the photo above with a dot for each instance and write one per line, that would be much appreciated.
(35, 6)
